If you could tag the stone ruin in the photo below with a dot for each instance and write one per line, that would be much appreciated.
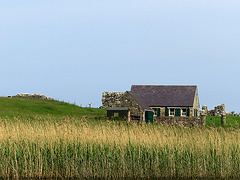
(110, 98)
(217, 111)
(204, 110)
(32, 96)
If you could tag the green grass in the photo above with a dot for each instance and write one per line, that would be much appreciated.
(34, 107)
(216, 121)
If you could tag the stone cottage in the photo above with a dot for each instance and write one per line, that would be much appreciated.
(156, 103)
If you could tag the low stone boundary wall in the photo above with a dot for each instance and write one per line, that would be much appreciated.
(32, 96)
(182, 121)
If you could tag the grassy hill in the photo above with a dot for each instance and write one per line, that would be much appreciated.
(31, 107)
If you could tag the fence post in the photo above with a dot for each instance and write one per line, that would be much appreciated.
(223, 119)
(203, 119)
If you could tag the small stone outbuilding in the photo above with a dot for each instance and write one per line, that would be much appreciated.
(138, 109)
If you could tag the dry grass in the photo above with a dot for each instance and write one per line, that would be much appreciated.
(76, 148)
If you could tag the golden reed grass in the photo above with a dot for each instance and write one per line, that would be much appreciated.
(76, 148)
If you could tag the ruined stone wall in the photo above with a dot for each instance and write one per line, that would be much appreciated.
(181, 121)
(217, 111)
(109, 99)
(204, 110)
(32, 96)
(232, 114)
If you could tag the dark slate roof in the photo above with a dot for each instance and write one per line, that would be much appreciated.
(139, 100)
(165, 95)
(117, 109)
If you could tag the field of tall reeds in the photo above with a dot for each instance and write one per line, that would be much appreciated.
(68, 147)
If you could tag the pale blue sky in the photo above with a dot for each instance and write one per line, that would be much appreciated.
(74, 50)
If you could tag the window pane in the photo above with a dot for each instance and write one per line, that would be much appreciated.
(172, 112)
(116, 114)
(184, 112)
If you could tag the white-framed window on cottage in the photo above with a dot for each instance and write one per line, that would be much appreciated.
(171, 112)
(155, 111)
(184, 112)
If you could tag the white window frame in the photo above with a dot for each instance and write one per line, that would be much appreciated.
(185, 112)
(155, 110)
(172, 111)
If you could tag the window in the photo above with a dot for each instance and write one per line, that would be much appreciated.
(195, 112)
(155, 111)
(172, 112)
(116, 114)
(184, 112)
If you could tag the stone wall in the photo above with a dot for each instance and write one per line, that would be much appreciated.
(232, 114)
(196, 104)
(204, 110)
(217, 111)
(109, 99)
(32, 96)
(181, 121)
(136, 111)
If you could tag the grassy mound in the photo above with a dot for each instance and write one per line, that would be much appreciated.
(31, 107)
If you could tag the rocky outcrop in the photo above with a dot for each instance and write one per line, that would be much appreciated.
(32, 96)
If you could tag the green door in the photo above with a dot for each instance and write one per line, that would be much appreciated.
(149, 116)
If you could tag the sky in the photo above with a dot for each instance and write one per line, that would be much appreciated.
(74, 50)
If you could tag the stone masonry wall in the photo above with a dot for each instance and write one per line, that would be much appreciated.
(135, 109)
(217, 111)
(196, 104)
(181, 121)
(109, 99)
(32, 96)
